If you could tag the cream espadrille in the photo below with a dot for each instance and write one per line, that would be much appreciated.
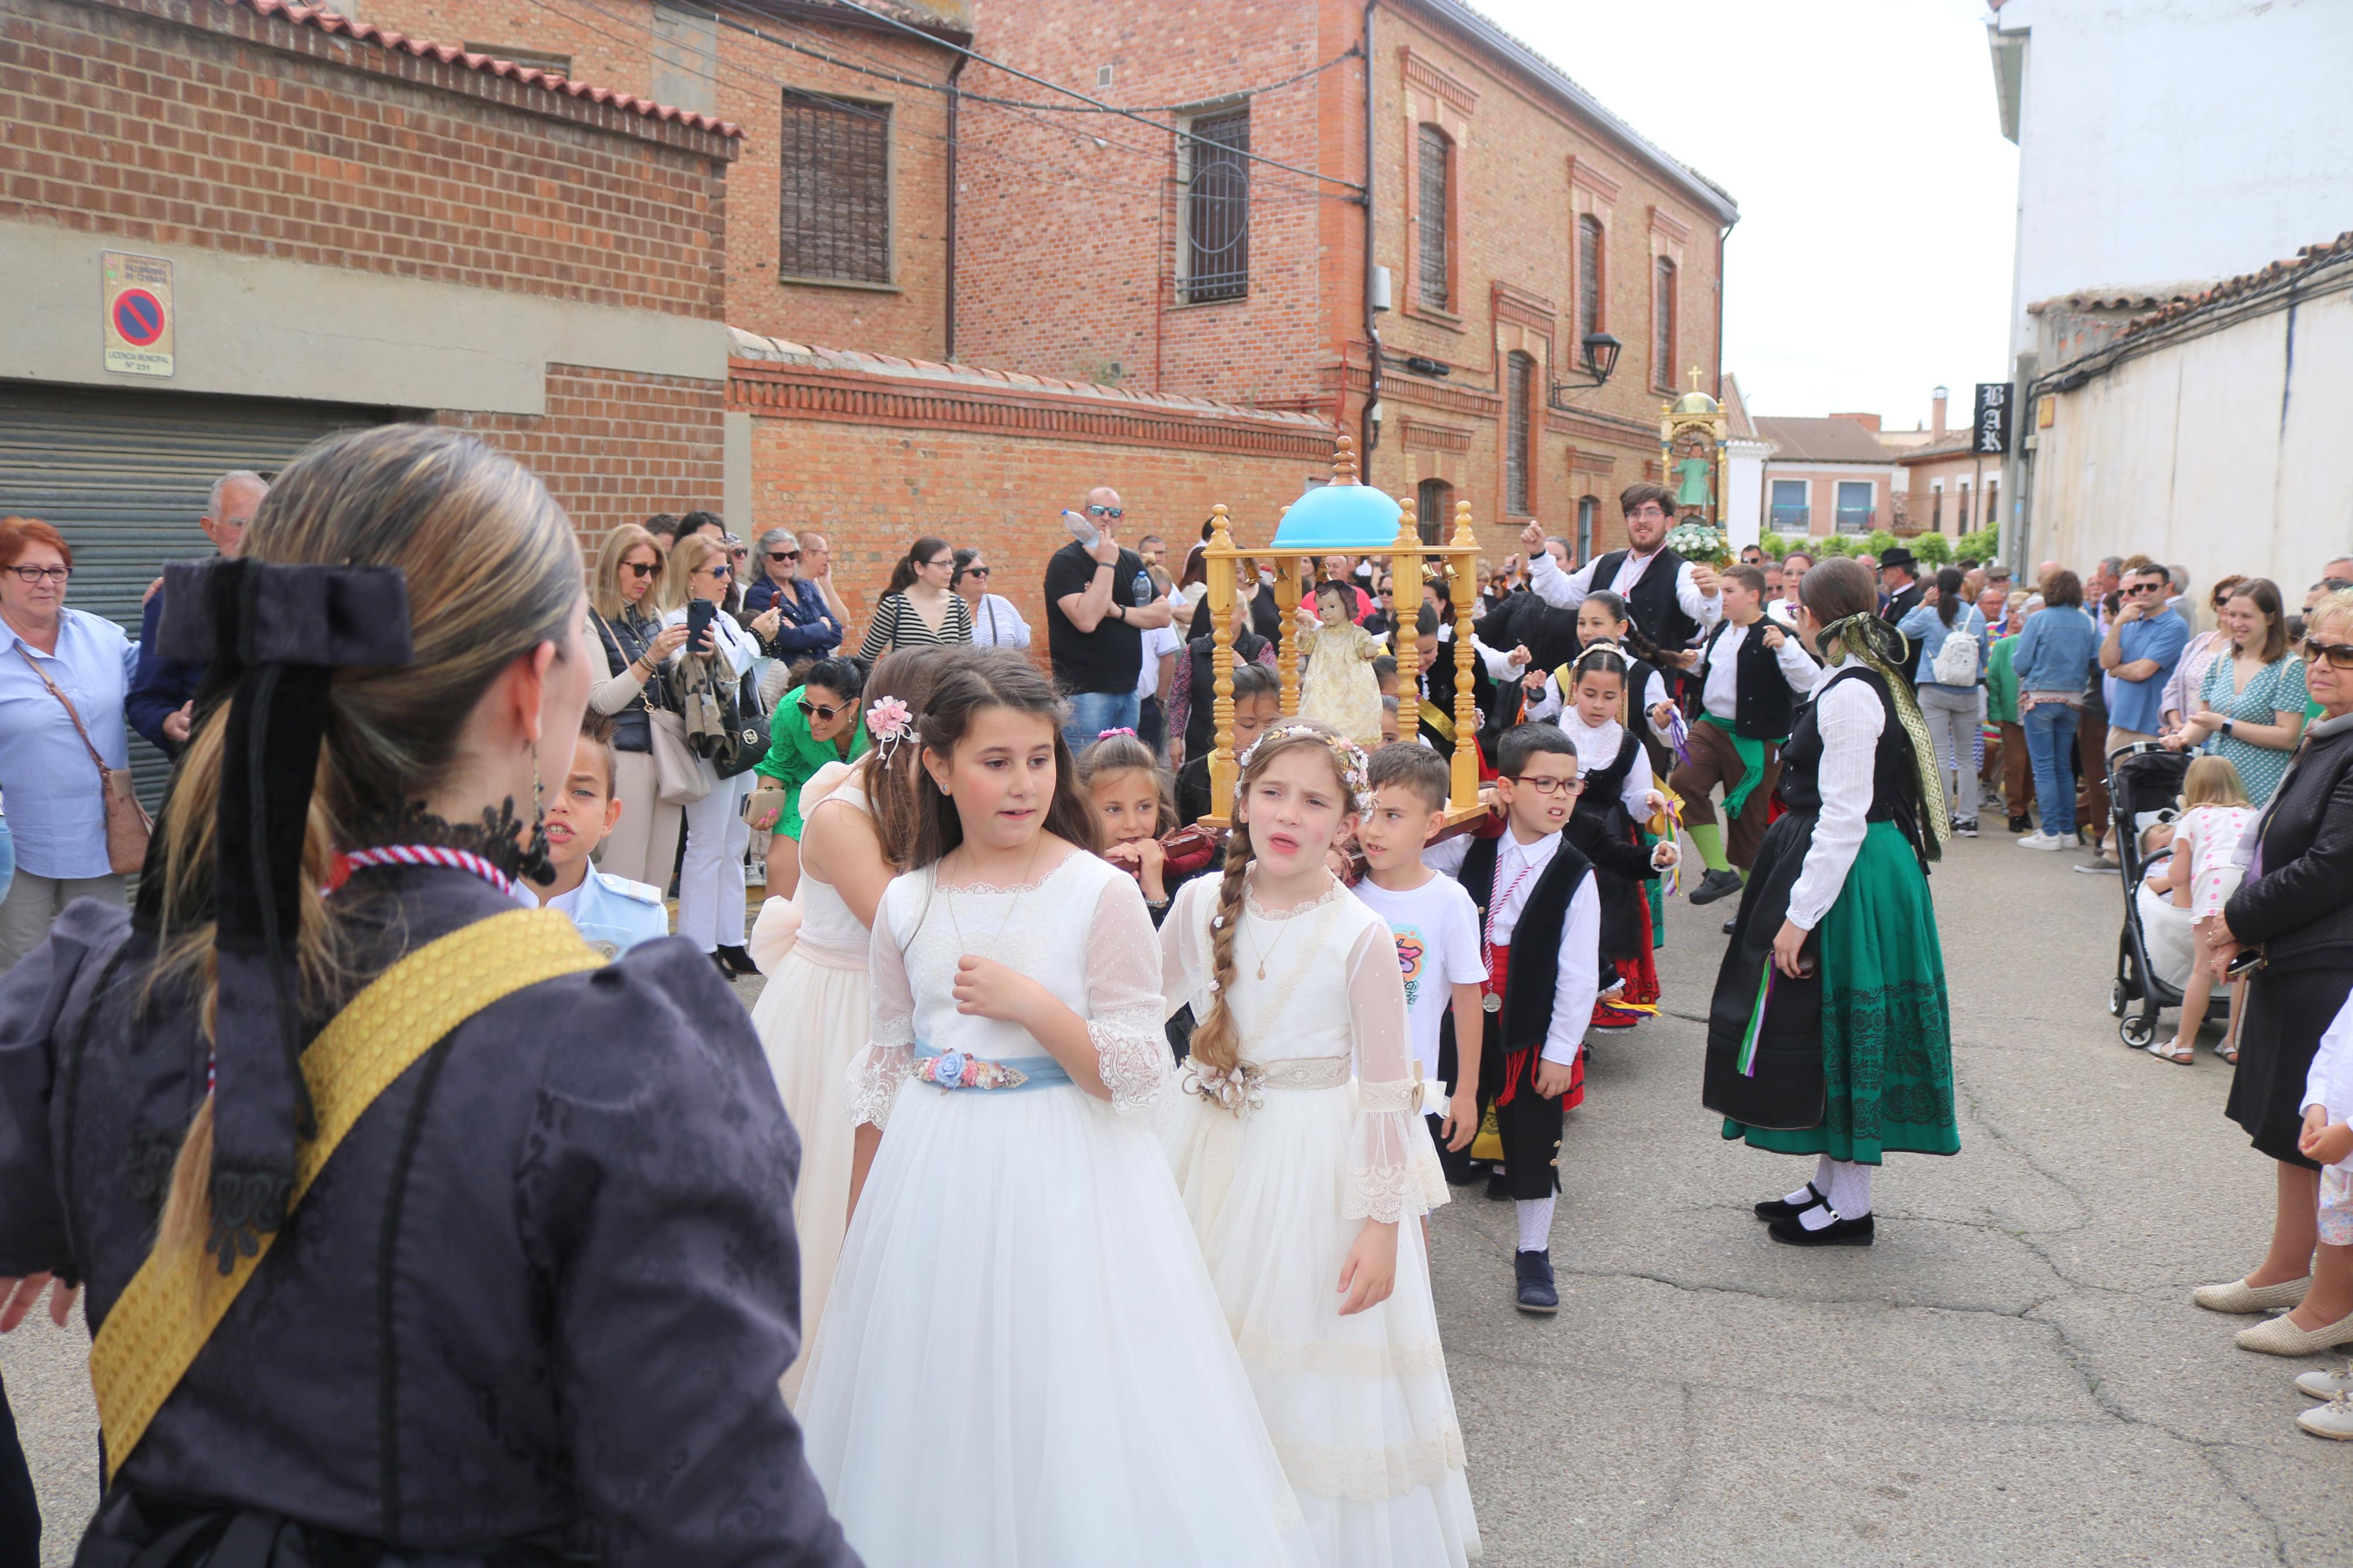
(2239, 1296)
(2282, 1337)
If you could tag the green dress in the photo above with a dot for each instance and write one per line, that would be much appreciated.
(794, 757)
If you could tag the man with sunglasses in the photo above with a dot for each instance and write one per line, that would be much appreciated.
(2144, 643)
(1099, 603)
(808, 625)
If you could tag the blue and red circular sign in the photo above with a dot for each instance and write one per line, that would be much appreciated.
(139, 318)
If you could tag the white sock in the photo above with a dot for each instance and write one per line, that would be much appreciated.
(1819, 1187)
(1536, 1224)
(1849, 1189)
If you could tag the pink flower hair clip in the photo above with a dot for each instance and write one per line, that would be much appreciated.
(1107, 734)
(888, 721)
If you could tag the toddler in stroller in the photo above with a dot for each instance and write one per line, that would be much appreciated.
(2172, 906)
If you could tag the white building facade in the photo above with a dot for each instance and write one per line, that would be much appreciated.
(2164, 145)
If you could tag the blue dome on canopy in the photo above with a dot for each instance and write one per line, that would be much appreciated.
(1348, 517)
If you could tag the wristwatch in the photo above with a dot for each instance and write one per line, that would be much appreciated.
(2226, 726)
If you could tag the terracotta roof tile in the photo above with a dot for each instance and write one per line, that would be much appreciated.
(1821, 440)
(449, 54)
(2245, 283)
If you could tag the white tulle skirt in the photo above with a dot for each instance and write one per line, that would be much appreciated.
(1024, 1365)
(812, 1018)
(1359, 1407)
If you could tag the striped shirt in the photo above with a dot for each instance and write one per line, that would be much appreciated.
(896, 625)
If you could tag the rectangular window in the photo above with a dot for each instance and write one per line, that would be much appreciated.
(1993, 514)
(1962, 512)
(1588, 279)
(1663, 324)
(1936, 510)
(1855, 514)
(834, 219)
(1588, 509)
(1433, 509)
(1790, 512)
(1430, 207)
(1519, 382)
(1216, 252)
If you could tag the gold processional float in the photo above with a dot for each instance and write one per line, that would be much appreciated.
(1345, 517)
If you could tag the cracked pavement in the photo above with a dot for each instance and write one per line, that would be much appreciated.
(2013, 1374)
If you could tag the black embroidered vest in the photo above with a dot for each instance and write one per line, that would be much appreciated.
(1526, 1016)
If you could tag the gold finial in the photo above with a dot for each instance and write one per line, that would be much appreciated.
(1219, 538)
(1344, 461)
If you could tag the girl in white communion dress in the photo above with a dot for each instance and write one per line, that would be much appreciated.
(1023, 1363)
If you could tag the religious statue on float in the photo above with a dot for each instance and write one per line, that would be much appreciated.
(1695, 455)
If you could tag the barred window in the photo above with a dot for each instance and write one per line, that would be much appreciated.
(1662, 325)
(1432, 259)
(1433, 509)
(1588, 278)
(1216, 208)
(1519, 381)
(835, 209)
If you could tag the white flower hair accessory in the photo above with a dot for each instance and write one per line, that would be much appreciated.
(1240, 1088)
(888, 721)
(1356, 772)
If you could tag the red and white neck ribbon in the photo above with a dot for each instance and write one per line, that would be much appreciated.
(419, 854)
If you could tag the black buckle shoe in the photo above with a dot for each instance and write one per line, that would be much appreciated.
(1838, 1233)
(736, 959)
(1499, 1187)
(1537, 1293)
(1782, 1208)
(1716, 885)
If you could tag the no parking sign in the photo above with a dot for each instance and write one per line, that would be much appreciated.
(138, 295)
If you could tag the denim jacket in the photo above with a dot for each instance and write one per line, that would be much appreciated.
(2056, 650)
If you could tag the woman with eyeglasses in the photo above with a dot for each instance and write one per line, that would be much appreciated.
(919, 608)
(995, 622)
(64, 674)
(808, 627)
(2295, 909)
(817, 722)
(710, 876)
(2251, 703)
(643, 845)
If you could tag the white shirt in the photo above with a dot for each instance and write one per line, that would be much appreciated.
(1597, 748)
(1578, 979)
(1850, 716)
(1720, 693)
(1437, 930)
(1157, 641)
(2329, 1084)
(1567, 590)
(996, 624)
(1654, 691)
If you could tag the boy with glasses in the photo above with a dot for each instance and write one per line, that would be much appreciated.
(1540, 930)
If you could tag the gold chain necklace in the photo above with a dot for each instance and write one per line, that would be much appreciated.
(1291, 915)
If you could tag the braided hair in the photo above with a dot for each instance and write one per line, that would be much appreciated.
(1606, 658)
(1217, 1041)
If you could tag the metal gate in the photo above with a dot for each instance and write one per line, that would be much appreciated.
(125, 475)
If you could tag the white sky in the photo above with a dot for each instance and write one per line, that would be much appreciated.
(1872, 257)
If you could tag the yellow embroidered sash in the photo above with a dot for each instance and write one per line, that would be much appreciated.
(179, 1296)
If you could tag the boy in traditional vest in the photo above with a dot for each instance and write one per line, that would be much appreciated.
(1540, 928)
(1752, 670)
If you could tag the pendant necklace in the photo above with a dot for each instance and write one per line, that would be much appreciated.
(1285, 924)
(1015, 903)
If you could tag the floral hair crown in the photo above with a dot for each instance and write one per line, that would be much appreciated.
(1107, 734)
(888, 721)
(1355, 773)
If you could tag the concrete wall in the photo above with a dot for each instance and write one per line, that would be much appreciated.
(2210, 452)
(2166, 141)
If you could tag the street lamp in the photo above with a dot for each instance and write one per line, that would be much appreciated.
(1601, 359)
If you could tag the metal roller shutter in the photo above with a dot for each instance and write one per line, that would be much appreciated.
(125, 475)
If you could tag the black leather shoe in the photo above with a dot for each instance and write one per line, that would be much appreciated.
(1782, 1208)
(1730, 924)
(1499, 1187)
(1838, 1233)
(2021, 823)
(1537, 1293)
(719, 962)
(1716, 885)
(736, 959)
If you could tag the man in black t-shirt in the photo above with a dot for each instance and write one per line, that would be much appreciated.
(1099, 603)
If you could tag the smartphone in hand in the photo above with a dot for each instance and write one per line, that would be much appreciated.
(700, 613)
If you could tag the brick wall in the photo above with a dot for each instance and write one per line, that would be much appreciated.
(875, 453)
(191, 123)
(616, 447)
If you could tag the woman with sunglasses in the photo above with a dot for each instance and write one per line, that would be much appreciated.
(2181, 687)
(710, 876)
(809, 626)
(918, 609)
(2295, 907)
(817, 722)
(995, 622)
(643, 845)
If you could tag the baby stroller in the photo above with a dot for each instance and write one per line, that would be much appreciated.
(2144, 783)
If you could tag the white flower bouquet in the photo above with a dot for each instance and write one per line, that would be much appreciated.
(1696, 541)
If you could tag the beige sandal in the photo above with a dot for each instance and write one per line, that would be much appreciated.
(2173, 1051)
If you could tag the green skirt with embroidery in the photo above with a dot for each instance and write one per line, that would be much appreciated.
(1886, 1025)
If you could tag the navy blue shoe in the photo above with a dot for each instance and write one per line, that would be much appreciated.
(1535, 1291)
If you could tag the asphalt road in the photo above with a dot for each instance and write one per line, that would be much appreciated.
(2013, 1373)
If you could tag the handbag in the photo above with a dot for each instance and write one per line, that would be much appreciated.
(743, 744)
(678, 771)
(127, 821)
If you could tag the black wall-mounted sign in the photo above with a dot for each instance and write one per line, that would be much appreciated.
(1989, 433)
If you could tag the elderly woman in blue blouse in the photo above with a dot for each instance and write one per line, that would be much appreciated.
(63, 672)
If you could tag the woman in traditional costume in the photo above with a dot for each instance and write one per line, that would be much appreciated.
(1831, 1034)
(413, 1231)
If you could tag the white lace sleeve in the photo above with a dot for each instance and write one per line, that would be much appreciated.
(1382, 1181)
(1124, 1006)
(1184, 948)
(888, 1057)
